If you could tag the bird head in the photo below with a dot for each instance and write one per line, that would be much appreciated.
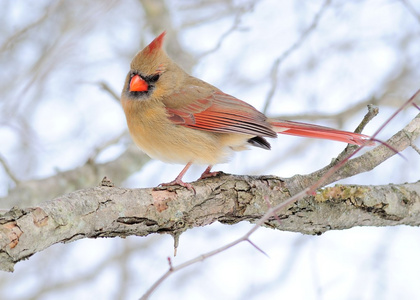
(152, 74)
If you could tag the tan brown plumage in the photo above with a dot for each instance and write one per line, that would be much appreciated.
(177, 118)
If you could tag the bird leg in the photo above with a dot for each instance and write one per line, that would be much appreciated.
(207, 173)
(178, 179)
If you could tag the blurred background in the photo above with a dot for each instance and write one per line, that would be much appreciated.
(63, 65)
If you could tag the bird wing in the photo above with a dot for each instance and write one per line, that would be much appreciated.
(218, 112)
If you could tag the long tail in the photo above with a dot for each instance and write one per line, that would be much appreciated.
(320, 132)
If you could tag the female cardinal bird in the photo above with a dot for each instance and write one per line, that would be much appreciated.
(178, 118)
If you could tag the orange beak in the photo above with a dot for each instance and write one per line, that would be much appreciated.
(137, 84)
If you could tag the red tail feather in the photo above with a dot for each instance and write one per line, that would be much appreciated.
(320, 132)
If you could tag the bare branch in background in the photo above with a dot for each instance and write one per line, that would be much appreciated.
(107, 144)
(411, 9)
(109, 90)
(158, 18)
(372, 112)
(290, 50)
(235, 26)
(7, 170)
(12, 40)
(90, 174)
(205, 12)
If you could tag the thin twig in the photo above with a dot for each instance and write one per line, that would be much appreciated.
(107, 144)
(256, 247)
(232, 29)
(297, 44)
(8, 170)
(269, 206)
(372, 112)
(19, 33)
(417, 149)
(411, 9)
(107, 88)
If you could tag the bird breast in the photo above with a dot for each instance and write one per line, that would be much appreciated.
(159, 138)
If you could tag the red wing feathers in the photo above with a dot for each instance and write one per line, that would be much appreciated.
(221, 112)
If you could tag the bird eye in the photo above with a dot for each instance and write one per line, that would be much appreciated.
(154, 78)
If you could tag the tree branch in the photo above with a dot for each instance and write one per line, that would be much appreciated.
(110, 211)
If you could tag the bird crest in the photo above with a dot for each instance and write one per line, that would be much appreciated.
(152, 58)
(156, 44)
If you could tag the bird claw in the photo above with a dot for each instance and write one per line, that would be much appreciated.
(209, 174)
(181, 183)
